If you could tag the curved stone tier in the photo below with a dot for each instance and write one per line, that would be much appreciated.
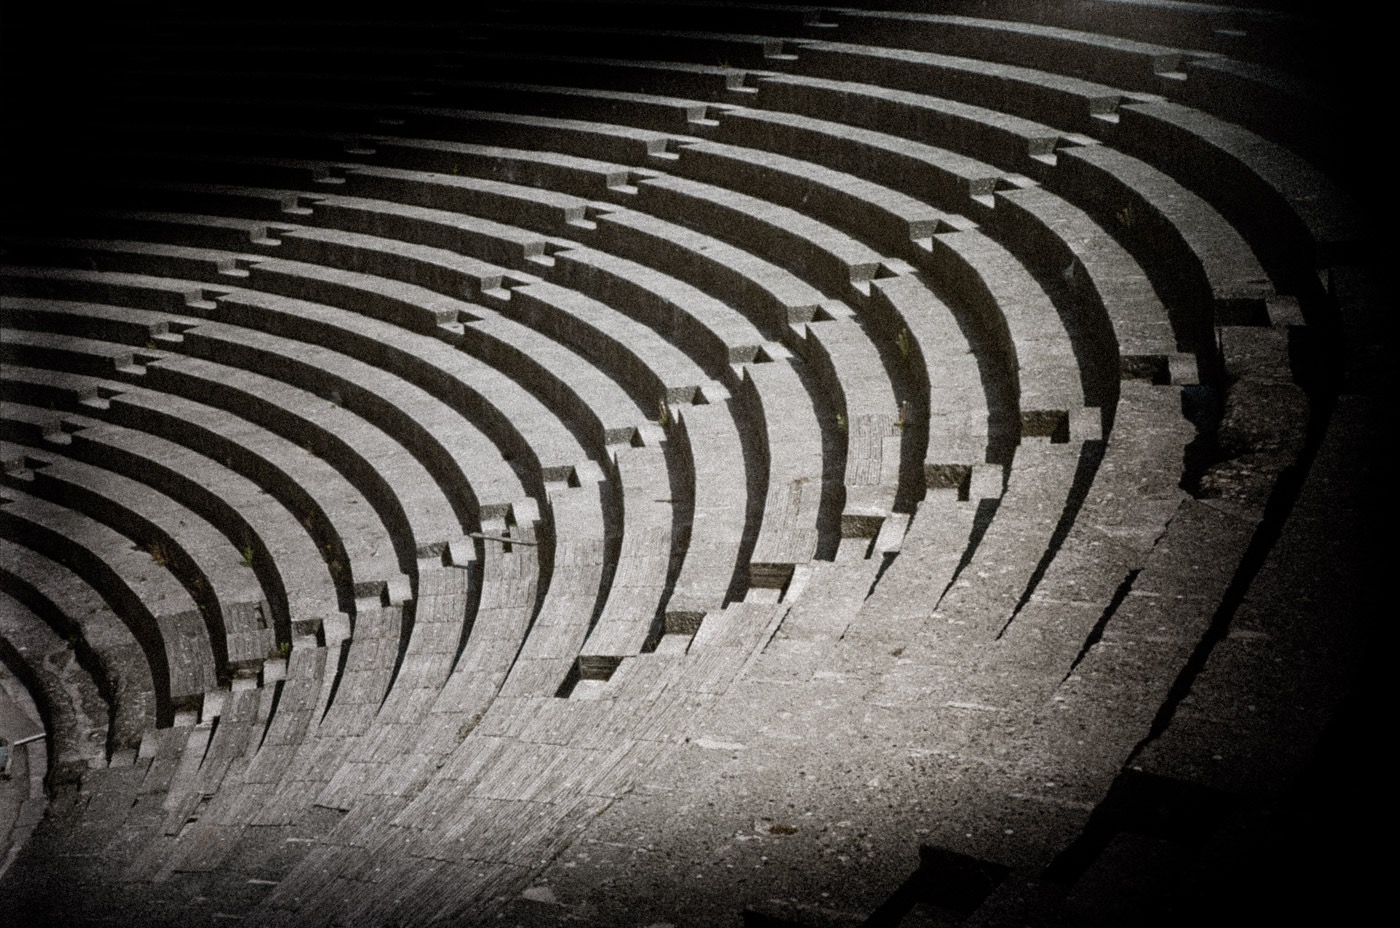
(616, 462)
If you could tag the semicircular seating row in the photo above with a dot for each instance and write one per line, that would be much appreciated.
(376, 411)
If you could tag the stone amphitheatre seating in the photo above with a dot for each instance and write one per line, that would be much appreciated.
(684, 463)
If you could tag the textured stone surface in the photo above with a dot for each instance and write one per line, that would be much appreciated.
(703, 464)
